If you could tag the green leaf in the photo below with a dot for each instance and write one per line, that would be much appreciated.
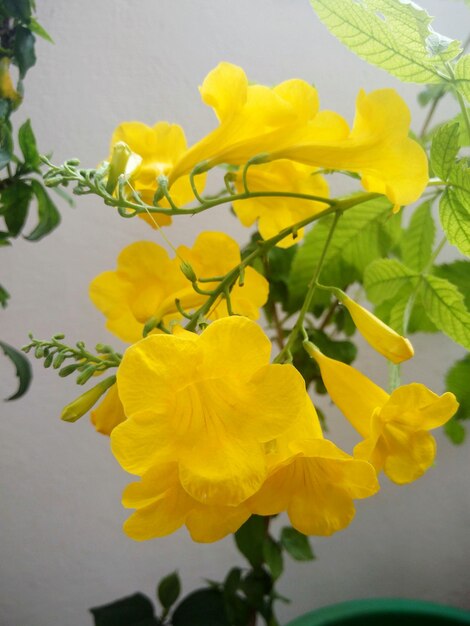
(455, 431)
(20, 9)
(459, 177)
(22, 368)
(250, 538)
(169, 590)
(39, 30)
(296, 544)
(455, 221)
(445, 307)
(23, 49)
(444, 149)
(14, 203)
(458, 273)
(27, 142)
(6, 143)
(419, 238)
(204, 607)
(458, 382)
(4, 296)
(135, 610)
(462, 76)
(49, 216)
(357, 224)
(272, 553)
(393, 35)
(385, 278)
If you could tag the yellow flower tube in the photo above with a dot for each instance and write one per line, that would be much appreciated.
(395, 427)
(378, 148)
(377, 334)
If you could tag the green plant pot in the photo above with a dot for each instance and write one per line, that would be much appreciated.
(384, 612)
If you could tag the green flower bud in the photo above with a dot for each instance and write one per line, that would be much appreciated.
(188, 271)
(81, 405)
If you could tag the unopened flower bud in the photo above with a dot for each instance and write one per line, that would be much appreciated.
(81, 405)
(188, 271)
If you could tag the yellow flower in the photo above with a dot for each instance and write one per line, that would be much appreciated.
(109, 413)
(394, 426)
(378, 148)
(163, 506)
(159, 146)
(147, 282)
(252, 118)
(377, 334)
(208, 403)
(313, 480)
(7, 90)
(275, 214)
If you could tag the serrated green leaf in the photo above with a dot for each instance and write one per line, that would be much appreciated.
(385, 278)
(49, 216)
(444, 149)
(23, 48)
(168, 590)
(455, 221)
(458, 382)
(462, 76)
(445, 307)
(27, 142)
(458, 273)
(459, 177)
(358, 222)
(296, 544)
(419, 238)
(22, 368)
(14, 203)
(273, 557)
(39, 30)
(395, 35)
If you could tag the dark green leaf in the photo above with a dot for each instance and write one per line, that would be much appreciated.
(4, 296)
(14, 206)
(204, 607)
(6, 143)
(341, 350)
(296, 544)
(5, 109)
(27, 142)
(444, 149)
(272, 553)
(455, 431)
(256, 585)
(49, 216)
(250, 538)
(22, 367)
(23, 49)
(169, 590)
(20, 9)
(236, 605)
(40, 30)
(458, 382)
(135, 610)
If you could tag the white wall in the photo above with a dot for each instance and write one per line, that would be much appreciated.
(62, 548)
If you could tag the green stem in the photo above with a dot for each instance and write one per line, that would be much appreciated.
(299, 325)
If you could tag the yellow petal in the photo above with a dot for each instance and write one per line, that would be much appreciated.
(409, 454)
(430, 409)
(225, 90)
(109, 413)
(377, 334)
(211, 523)
(356, 396)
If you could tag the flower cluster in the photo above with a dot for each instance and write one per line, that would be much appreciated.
(212, 428)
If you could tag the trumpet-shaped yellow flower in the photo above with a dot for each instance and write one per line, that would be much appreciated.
(160, 146)
(147, 282)
(252, 118)
(275, 214)
(395, 427)
(377, 334)
(313, 480)
(163, 506)
(109, 413)
(208, 403)
(378, 148)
